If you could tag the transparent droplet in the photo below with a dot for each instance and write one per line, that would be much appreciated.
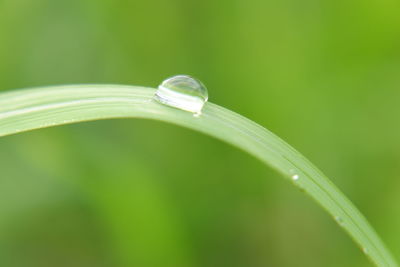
(295, 177)
(183, 92)
(339, 220)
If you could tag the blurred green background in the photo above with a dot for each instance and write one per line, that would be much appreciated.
(322, 74)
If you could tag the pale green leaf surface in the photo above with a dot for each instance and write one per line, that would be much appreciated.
(30, 109)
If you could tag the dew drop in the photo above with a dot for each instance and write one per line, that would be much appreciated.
(182, 92)
(295, 177)
(339, 220)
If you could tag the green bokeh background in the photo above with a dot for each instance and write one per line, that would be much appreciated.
(322, 74)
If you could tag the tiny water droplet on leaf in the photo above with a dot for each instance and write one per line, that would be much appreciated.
(182, 92)
(339, 220)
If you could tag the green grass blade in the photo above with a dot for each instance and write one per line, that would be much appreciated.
(29, 109)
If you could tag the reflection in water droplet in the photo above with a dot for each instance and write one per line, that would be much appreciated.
(295, 177)
(183, 92)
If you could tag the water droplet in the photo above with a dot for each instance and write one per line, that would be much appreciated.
(339, 220)
(295, 177)
(183, 92)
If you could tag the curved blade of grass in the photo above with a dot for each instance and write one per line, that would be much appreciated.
(30, 109)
